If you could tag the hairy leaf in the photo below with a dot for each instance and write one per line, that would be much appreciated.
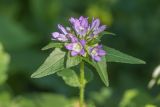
(117, 56)
(54, 63)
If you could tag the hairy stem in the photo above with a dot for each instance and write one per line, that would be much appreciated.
(82, 85)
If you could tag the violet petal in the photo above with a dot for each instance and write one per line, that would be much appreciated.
(62, 29)
(69, 46)
(74, 53)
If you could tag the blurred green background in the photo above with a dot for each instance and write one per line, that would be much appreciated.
(25, 27)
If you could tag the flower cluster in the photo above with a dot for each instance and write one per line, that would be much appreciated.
(79, 35)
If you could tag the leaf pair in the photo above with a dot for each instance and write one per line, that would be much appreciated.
(59, 60)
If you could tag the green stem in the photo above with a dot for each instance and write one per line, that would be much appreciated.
(82, 84)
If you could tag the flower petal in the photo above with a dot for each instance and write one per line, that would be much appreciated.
(74, 53)
(72, 20)
(69, 46)
(97, 58)
(72, 38)
(83, 42)
(62, 29)
(95, 24)
(101, 52)
(82, 52)
(55, 34)
(102, 28)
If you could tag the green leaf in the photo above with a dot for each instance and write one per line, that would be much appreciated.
(108, 33)
(55, 62)
(101, 68)
(72, 61)
(94, 41)
(70, 77)
(53, 45)
(88, 74)
(117, 56)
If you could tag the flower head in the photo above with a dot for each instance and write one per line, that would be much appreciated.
(76, 38)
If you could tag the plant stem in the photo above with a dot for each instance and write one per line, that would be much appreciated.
(82, 85)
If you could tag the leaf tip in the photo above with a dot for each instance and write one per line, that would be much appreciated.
(34, 76)
(142, 62)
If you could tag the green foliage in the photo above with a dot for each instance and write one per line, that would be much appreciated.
(72, 61)
(135, 98)
(70, 77)
(5, 99)
(117, 56)
(4, 61)
(53, 45)
(88, 74)
(150, 105)
(108, 33)
(101, 68)
(15, 35)
(101, 96)
(26, 24)
(54, 63)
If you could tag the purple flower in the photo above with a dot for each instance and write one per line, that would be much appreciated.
(78, 37)
(76, 48)
(72, 37)
(60, 36)
(62, 29)
(96, 52)
(96, 28)
(80, 25)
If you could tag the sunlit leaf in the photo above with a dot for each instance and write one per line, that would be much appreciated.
(117, 56)
(54, 63)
